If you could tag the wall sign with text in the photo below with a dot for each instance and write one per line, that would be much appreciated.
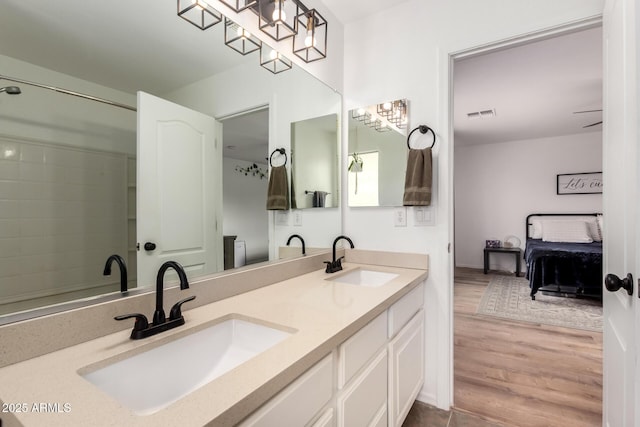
(580, 183)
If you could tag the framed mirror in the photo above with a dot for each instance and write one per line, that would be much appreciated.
(315, 149)
(69, 164)
(377, 154)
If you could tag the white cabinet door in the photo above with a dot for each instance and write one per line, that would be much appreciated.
(363, 400)
(406, 369)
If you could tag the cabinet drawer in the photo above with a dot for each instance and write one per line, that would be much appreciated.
(300, 401)
(404, 309)
(354, 353)
(364, 400)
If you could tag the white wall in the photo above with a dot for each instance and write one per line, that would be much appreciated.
(244, 200)
(412, 62)
(498, 185)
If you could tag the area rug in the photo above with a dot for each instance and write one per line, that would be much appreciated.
(507, 297)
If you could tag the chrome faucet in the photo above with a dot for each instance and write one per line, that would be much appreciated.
(336, 264)
(123, 270)
(301, 241)
(142, 328)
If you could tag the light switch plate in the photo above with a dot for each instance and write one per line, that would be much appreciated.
(282, 217)
(422, 216)
(400, 217)
(297, 218)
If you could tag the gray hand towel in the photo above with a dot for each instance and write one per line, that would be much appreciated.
(417, 183)
(278, 191)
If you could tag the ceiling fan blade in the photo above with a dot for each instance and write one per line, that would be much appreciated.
(586, 111)
(592, 124)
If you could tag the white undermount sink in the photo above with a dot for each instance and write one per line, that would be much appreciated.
(152, 380)
(362, 277)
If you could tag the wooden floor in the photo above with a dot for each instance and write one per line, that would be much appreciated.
(522, 374)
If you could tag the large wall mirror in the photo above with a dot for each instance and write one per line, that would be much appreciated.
(68, 165)
(377, 154)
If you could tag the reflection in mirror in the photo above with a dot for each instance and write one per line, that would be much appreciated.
(314, 150)
(377, 154)
(68, 165)
(244, 185)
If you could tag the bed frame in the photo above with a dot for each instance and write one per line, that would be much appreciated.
(567, 291)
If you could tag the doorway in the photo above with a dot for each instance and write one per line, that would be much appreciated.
(507, 155)
(245, 180)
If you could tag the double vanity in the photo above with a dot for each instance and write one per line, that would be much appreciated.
(298, 346)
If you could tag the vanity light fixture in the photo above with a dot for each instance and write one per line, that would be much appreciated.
(240, 5)
(273, 60)
(198, 13)
(310, 41)
(395, 112)
(239, 39)
(278, 18)
(382, 127)
(360, 114)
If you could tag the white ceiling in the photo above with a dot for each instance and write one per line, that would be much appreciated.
(534, 88)
(351, 10)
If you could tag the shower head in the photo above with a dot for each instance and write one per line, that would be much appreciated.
(11, 90)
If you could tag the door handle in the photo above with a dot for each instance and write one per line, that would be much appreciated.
(613, 283)
(149, 246)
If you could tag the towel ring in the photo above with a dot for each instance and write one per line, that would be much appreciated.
(423, 129)
(282, 152)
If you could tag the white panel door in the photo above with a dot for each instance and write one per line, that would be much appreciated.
(179, 189)
(620, 241)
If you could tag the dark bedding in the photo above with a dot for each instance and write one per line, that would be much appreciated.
(564, 266)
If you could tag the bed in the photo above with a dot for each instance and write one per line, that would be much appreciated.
(563, 254)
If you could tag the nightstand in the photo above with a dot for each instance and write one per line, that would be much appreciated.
(517, 252)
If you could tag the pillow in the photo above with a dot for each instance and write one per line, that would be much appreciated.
(592, 226)
(535, 232)
(566, 231)
(600, 224)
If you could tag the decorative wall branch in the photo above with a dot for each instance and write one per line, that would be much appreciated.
(253, 170)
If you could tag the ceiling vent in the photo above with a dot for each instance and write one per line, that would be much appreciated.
(484, 114)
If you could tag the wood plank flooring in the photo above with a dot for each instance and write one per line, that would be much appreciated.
(522, 374)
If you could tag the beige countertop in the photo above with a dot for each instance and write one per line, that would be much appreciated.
(322, 312)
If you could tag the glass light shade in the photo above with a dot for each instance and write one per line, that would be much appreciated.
(398, 115)
(382, 127)
(360, 114)
(239, 39)
(277, 18)
(310, 41)
(273, 60)
(239, 5)
(198, 13)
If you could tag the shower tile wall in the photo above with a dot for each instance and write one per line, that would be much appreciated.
(63, 211)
